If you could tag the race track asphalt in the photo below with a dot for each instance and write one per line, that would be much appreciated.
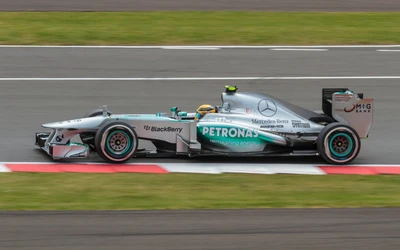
(278, 229)
(140, 5)
(25, 105)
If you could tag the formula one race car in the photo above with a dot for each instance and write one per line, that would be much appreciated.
(246, 124)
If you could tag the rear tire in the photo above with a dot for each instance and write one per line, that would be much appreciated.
(116, 142)
(88, 137)
(338, 143)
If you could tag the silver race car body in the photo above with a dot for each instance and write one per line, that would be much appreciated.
(246, 124)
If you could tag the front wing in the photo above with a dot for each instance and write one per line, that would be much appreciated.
(69, 150)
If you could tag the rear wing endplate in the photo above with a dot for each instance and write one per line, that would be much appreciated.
(350, 108)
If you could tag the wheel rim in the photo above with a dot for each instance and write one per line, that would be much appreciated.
(342, 153)
(341, 144)
(108, 141)
(118, 142)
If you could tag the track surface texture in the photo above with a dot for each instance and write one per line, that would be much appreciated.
(139, 5)
(307, 229)
(25, 105)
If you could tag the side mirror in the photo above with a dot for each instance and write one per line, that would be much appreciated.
(105, 111)
(173, 111)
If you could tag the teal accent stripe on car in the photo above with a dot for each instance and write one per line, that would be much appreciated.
(266, 138)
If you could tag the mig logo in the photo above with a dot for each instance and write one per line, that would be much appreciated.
(359, 108)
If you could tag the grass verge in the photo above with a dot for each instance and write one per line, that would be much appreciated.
(180, 28)
(74, 191)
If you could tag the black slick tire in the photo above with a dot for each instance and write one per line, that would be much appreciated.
(338, 143)
(116, 142)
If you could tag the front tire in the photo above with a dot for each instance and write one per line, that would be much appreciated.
(338, 143)
(116, 142)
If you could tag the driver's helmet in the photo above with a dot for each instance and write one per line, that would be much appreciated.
(204, 109)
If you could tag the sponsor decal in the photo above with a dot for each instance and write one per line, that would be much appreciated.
(59, 138)
(162, 129)
(350, 109)
(359, 108)
(269, 121)
(234, 143)
(267, 107)
(229, 132)
(222, 119)
(301, 125)
(69, 121)
(248, 110)
(271, 126)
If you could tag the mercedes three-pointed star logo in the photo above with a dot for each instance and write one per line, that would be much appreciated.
(267, 107)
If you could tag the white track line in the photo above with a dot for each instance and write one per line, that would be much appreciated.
(191, 48)
(387, 50)
(198, 78)
(198, 46)
(290, 49)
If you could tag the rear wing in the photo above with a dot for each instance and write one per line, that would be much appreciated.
(349, 108)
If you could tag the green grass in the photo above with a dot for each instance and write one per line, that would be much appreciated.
(74, 191)
(179, 28)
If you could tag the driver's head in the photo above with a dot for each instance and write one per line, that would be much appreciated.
(204, 109)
